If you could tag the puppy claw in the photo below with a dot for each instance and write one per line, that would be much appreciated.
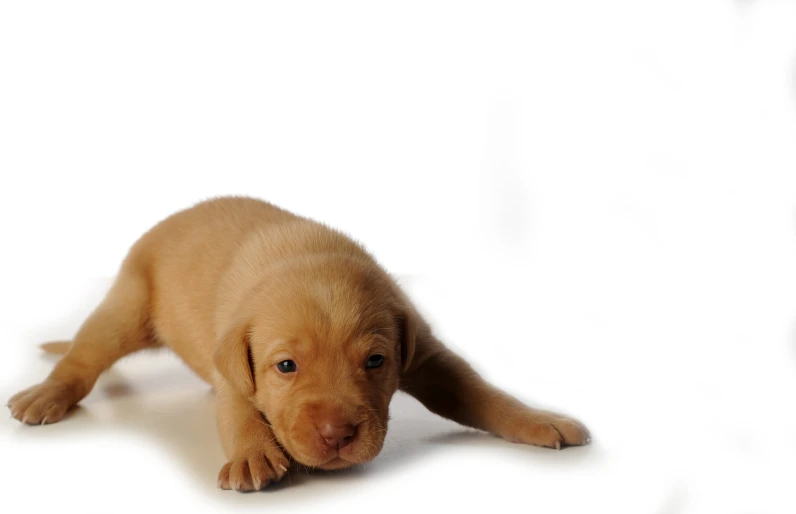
(253, 472)
(558, 445)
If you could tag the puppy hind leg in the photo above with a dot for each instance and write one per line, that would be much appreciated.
(118, 327)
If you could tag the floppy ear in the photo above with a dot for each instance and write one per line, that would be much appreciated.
(233, 359)
(407, 334)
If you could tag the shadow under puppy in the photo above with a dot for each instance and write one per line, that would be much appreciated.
(304, 337)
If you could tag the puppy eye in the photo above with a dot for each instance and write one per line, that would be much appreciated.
(374, 361)
(286, 366)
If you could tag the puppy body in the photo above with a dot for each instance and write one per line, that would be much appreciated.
(301, 333)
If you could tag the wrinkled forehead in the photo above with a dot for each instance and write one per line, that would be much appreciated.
(332, 350)
(339, 311)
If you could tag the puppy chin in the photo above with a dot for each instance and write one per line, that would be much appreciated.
(336, 463)
(344, 460)
(320, 457)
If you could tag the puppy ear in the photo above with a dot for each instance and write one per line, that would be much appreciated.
(233, 359)
(407, 334)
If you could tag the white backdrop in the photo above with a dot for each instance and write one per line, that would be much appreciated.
(593, 201)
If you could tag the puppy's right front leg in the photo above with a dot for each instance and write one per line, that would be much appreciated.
(255, 459)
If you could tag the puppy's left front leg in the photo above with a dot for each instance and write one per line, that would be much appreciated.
(448, 386)
(255, 458)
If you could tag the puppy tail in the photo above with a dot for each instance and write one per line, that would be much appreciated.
(56, 347)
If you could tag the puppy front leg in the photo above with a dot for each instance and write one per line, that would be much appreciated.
(448, 386)
(254, 456)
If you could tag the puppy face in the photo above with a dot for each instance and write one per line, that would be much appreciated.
(324, 355)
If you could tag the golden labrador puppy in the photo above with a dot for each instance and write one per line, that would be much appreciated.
(304, 337)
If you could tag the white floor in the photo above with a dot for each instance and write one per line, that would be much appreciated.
(665, 440)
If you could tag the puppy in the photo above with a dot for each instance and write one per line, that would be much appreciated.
(304, 337)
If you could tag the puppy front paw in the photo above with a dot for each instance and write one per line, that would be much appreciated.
(253, 470)
(43, 403)
(550, 430)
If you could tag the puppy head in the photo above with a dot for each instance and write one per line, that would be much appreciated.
(320, 355)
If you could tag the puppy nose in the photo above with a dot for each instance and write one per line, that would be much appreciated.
(337, 436)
